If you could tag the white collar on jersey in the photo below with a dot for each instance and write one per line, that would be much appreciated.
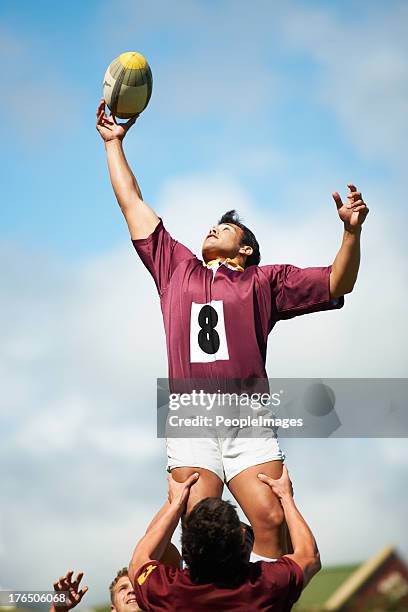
(230, 263)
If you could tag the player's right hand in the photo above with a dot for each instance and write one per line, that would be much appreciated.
(108, 127)
(282, 487)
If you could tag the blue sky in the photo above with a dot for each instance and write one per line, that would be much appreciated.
(264, 107)
(259, 92)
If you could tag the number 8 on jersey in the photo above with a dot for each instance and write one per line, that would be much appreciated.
(208, 341)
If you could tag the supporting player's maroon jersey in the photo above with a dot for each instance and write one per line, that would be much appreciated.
(269, 586)
(217, 320)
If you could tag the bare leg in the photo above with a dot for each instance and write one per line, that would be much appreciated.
(262, 507)
(208, 485)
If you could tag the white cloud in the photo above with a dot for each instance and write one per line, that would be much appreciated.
(363, 73)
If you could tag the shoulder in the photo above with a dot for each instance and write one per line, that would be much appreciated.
(159, 229)
(154, 572)
(271, 272)
(284, 571)
(144, 572)
(153, 582)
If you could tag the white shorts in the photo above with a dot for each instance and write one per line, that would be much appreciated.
(226, 457)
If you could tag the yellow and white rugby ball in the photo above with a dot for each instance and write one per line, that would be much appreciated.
(127, 85)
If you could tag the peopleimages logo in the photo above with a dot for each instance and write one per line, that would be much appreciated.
(220, 420)
(210, 400)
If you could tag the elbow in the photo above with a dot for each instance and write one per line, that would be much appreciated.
(313, 563)
(340, 291)
(140, 557)
(311, 567)
(347, 289)
(132, 570)
(340, 286)
(310, 564)
(127, 203)
(134, 564)
(317, 563)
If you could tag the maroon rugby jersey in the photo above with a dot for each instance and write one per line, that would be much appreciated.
(270, 586)
(217, 322)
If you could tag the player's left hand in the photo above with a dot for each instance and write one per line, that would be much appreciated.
(282, 487)
(352, 212)
(178, 492)
(71, 587)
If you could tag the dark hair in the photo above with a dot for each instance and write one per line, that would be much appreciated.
(212, 544)
(248, 238)
(122, 572)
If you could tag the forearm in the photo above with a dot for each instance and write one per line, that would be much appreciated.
(123, 180)
(141, 219)
(346, 264)
(158, 515)
(154, 543)
(302, 538)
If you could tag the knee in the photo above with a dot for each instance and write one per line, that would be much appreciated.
(269, 518)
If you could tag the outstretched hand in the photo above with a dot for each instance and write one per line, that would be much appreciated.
(282, 487)
(71, 587)
(108, 127)
(352, 212)
(178, 492)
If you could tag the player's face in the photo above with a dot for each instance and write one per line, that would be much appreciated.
(222, 240)
(124, 598)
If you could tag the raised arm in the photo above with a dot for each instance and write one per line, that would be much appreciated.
(305, 552)
(140, 218)
(347, 262)
(158, 535)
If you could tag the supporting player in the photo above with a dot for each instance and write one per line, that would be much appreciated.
(236, 303)
(219, 575)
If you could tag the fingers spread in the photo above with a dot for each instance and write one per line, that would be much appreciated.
(351, 187)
